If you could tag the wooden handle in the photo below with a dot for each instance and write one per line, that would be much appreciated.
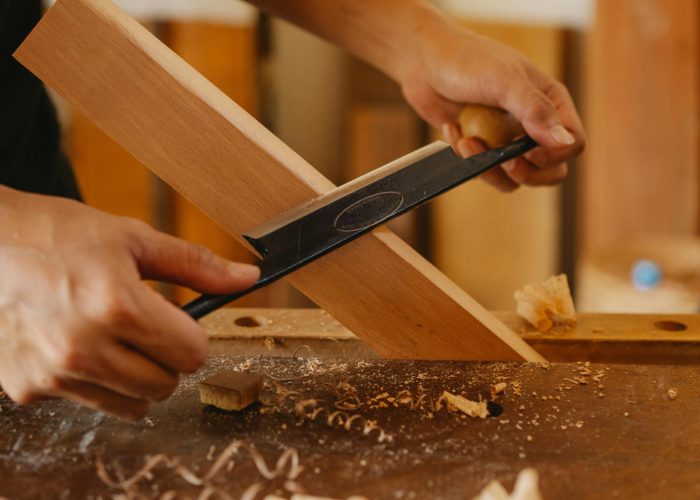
(494, 127)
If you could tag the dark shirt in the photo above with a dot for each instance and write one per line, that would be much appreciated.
(30, 155)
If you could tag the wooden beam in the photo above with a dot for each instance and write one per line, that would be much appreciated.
(225, 162)
(654, 339)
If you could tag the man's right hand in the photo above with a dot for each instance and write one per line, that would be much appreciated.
(76, 319)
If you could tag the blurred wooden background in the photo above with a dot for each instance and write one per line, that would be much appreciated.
(631, 64)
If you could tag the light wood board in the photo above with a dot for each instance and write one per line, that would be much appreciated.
(215, 154)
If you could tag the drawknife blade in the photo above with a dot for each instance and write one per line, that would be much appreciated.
(315, 228)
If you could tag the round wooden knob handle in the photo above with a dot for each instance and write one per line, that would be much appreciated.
(494, 127)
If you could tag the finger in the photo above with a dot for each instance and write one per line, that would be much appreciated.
(164, 257)
(497, 178)
(430, 105)
(100, 398)
(522, 172)
(451, 133)
(469, 146)
(539, 117)
(122, 370)
(165, 334)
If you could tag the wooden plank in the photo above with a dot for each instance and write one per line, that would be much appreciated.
(224, 55)
(601, 338)
(236, 171)
(633, 442)
(380, 132)
(515, 240)
(642, 165)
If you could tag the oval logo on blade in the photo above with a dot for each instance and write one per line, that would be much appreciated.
(368, 211)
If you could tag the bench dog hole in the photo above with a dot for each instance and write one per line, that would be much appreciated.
(250, 321)
(670, 326)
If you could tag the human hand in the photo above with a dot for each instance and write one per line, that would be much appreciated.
(76, 319)
(452, 66)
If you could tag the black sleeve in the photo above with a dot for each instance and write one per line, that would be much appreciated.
(30, 155)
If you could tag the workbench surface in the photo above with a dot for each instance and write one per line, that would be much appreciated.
(597, 431)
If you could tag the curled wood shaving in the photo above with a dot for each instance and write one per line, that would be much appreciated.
(547, 304)
(308, 409)
(287, 466)
(252, 491)
(526, 488)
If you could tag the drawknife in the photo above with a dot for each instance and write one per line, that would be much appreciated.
(305, 233)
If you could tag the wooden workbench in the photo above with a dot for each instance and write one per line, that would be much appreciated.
(597, 431)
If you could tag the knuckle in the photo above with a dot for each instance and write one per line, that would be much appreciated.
(23, 395)
(197, 356)
(116, 308)
(136, 411)
(135, 226)
(165, 389)
(198, 255)
(73, 360)
(557, 88)
(540, 107)
(53, 383)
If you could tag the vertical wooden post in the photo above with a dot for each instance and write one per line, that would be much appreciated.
(641, 172)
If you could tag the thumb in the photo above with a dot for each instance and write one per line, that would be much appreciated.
(538, 115)
(166, 258)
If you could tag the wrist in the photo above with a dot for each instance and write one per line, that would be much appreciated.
(424, 27)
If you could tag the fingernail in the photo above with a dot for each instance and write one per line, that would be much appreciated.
(464, 150)
(561, 135)
(508, 166)
(245, 271)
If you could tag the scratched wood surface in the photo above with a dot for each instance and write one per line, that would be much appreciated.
(598, 431)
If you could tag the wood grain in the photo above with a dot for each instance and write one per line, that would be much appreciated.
(220, 158)
(224, 55)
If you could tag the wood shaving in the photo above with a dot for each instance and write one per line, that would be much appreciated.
(547, 304)
(287, 466)
(672, 393)
(309, 409)
(497, 389)
(467, 406)
(269, 343)
(526, 488)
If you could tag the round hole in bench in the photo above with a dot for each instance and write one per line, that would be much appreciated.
(670, 326)
(250, 321)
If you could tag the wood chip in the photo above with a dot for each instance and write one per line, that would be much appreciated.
(231, 390)
(471, 408)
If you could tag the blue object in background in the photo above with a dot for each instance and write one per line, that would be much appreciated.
(646, 274)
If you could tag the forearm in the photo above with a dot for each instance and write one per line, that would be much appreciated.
(381, 32)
